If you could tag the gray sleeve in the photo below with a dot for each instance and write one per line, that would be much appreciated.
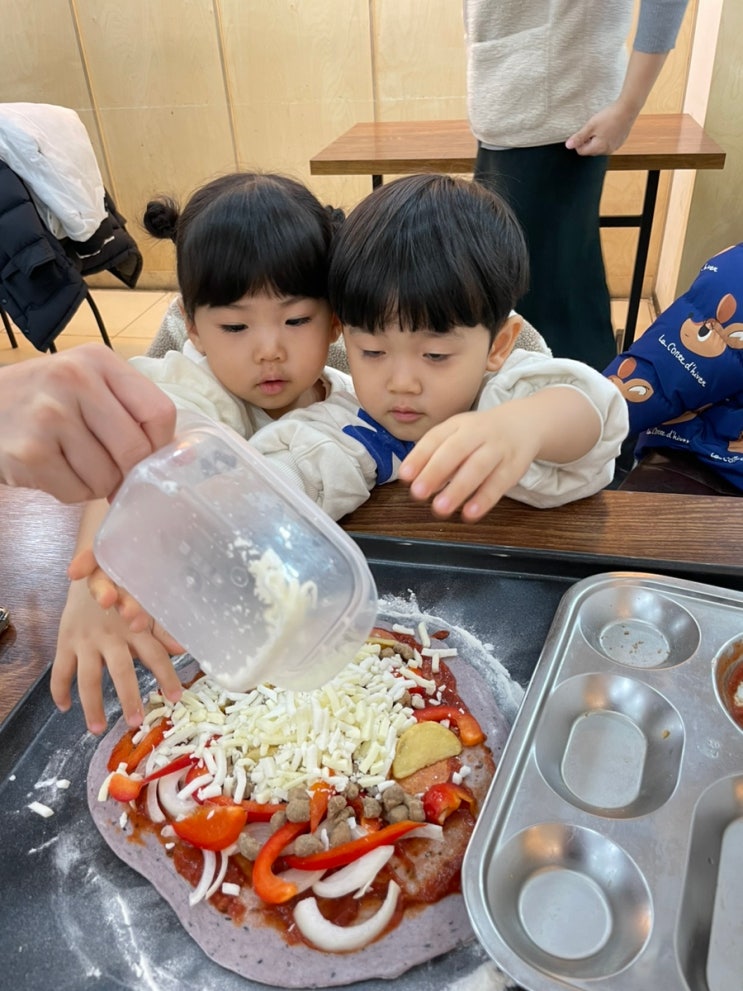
(171, 335)
(658, 25)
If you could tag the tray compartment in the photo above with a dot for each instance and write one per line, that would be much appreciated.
(610, 745)
(638, 627)
(709, 927)
(569, 900)
(728, 672)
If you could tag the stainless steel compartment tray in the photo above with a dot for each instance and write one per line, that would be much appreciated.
(608, 852)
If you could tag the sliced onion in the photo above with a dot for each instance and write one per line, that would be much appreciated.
(207, 876)
(223, 862)
(356, 876)
(327, 936)
(154, 812)
(302, 879)
(260, 831)
(193, 786)
(167, 793)
(427, 831)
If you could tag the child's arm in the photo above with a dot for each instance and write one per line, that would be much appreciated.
(550, 433)
(325, 450)
(92, 639)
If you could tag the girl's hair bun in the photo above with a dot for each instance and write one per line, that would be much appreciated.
(336, 216)
(161, 218)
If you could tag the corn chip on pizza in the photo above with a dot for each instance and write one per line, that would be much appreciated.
(311, 839)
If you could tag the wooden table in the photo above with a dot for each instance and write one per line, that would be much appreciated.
(656, 142)
(671, 532)
(37, 540)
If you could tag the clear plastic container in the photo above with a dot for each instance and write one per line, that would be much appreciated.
(247, 573)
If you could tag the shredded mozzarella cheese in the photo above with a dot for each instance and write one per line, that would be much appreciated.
(268, 741)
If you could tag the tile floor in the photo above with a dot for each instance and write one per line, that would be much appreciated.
(132, 318)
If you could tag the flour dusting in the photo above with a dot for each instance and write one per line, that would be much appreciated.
(485, 978)
(507, 692)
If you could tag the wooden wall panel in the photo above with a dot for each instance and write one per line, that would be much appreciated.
(40, 60)
(174, 92)
(298, 74)
(419, 60)
(155, 72)
(716, 214)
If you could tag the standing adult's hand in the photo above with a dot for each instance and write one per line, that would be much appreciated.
(73, 424)
(608, 129)
(604, 132)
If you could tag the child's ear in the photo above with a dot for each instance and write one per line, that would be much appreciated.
(336, 328)
(193, 335)
(503, 342)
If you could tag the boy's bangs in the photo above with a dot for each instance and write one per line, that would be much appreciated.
(431, 292)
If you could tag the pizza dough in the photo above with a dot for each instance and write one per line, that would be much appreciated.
(257, 951)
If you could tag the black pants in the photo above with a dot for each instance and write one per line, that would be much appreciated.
(555, 194)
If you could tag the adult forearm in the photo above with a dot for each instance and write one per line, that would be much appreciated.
(643, 69)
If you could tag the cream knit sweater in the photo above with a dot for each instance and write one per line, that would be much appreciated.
(537, 70)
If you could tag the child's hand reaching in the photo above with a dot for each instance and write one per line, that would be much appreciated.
(91, 640)
(471, 460)
(474, 458)
(107, 593)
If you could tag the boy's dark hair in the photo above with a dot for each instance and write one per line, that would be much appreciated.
(246, 233)
(428, 251)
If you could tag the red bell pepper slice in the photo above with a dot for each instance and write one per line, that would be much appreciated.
(272, 889)
(346, 852)
(123, 788)
(442, 799)
(126, 789)
(197, 771)
(320, 794)
(177, 764)
(261, 811)
(467, 726)
(212, 826)
(124, 752)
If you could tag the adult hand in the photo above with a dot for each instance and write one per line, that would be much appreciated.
(73, 424)
(608, 129)
(604, 132)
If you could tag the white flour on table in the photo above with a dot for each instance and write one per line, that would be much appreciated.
(507, 692)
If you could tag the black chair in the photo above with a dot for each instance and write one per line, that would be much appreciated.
(42, 282)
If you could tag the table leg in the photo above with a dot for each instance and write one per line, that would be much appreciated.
(376, 181)
(644, 223)
(641, 257)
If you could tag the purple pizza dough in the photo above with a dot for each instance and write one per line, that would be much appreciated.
(255, 950)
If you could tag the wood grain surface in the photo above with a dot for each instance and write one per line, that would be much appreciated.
(37, 538)
(677, 529)
(656, 141)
